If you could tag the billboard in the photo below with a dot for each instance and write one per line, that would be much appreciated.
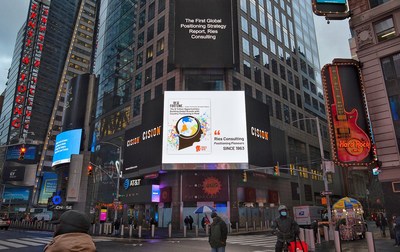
(14, 151)
(16, 195)
(204, 127)
(349, 125)
(67, 143)
(203, 33)
(14, 173)
(48, 187)
(143, 143)
(330, 8)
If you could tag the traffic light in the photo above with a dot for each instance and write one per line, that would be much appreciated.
(22, 151)
(276, 170)
(244, 176)
(90, 170)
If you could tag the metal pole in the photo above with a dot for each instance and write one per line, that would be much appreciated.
(118, 168)
(328, 202)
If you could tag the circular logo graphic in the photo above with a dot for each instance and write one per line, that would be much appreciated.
(126, 184)
(57, 200)
(187, 126)
(212, 185)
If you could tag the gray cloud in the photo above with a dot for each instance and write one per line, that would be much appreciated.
(13, 14)
(333, 39)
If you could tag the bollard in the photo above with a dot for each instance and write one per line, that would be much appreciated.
(170, 230)
(247, 227)
(254, 225)
(301, 235)
(100, 228)
(326, 234)
(130, 231)
(94, 229)
(197, 230)
(184, 231)
(140, 232)
(370, 241)
(261, 226)
(338, 246)
(122, 230)
(207, 227)
(318, 236)
(266, 225)
(312, 240)
(152, 230)
(237, 227)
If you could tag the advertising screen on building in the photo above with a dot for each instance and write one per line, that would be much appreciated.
(16, 195)
(330, 8)
(48, 187)
(13, 152)
(204, 127)
(349, 126)
(67, 143)
(13, 173)
(203, 33)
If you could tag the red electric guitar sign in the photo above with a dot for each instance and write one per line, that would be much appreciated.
(352, 143)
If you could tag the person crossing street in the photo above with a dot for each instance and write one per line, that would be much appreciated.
(285, 227)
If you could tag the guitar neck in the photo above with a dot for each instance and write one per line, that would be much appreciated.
(337, 93)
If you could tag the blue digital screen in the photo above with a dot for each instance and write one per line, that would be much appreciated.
(67, 143)
(332, 1)
(48, 187)
(16, 195)
(14, 151)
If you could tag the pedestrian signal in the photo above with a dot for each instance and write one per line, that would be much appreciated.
(22, 151)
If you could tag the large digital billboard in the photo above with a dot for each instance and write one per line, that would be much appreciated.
(16, 195)
(349, 125)
(203, 33)
(14, 151)
(204, 127)
(67, 143)
(48, 187)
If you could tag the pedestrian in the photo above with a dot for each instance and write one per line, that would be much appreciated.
(186, 221)
(285, 228)
(205, 222)
(397, 231)
(218, 234)
(72, 233)
(383, 224)
(117, 225)
(314, 226)
(190, 222)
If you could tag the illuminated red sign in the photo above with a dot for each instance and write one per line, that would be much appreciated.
(30, 64)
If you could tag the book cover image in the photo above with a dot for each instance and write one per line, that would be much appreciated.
(188, 126)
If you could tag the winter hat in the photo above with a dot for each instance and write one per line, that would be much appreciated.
(73, 221)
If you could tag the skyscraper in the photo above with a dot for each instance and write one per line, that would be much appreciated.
(266, 48)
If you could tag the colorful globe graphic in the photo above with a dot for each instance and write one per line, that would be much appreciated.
(187, 126)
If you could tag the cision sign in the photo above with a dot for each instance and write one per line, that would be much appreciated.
(203, 33)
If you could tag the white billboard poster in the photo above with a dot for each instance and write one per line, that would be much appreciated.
(204, 127)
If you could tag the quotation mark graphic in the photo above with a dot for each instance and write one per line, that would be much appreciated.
(217, 132)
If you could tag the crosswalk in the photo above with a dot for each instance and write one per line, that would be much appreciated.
(24, 242)
(267, 243)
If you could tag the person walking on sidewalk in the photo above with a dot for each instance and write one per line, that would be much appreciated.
(383, 224)
(397, 231)
(285, 228)
(218, 234)
(190, 222)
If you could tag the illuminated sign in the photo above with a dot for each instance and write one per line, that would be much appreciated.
(67, 143)
(155, 193)
(103, 214)
(332, 1)
(332, 9)
(30, 64)
(48, 187)
(349, 125)
(204, 127)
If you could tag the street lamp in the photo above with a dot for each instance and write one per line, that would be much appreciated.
(118, 167)
(324, 177)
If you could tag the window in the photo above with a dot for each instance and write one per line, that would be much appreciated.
(150, 32)
(151, 13)
(267, 81)
(268, 101)
(148, 75)
(247, 69)
(142, 18)
(294, 117)
(274, 66)
(159, 69)
(245, 26)
(286, 113)
(158, 90)
(295, 191)
(248, 90)
(374, 3)
(265, 60)
(160, 46)
(256, 54)
(160, 25)
(292, 96)
(147, 96)
(161, 5)
(282, 72)
(385, 29)
(138, 81)
(299, 102)
(284, 92)
(136, 106)
(246, 46)
(278, 110)
(149, 53)
(276, 87)
(139, 60)
(257, 75)
(171, 84)
(236, 84)
(254, 32)
(259, 95)
(140, 39)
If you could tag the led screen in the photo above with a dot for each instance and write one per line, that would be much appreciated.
(67, 143)
(14, 151)
(48, 187)
(16, 195)
(332, 1)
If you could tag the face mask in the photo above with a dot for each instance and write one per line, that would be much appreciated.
(283, 213)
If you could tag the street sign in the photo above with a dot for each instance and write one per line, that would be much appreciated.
(323, 193)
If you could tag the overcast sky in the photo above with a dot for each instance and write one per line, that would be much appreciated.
(332, 38)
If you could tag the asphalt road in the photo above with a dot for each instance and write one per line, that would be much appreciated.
(32, 241)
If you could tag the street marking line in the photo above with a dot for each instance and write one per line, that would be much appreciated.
(25, 242)
(2, 247)
(11, 244)
(100, 240)
(35, 240)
